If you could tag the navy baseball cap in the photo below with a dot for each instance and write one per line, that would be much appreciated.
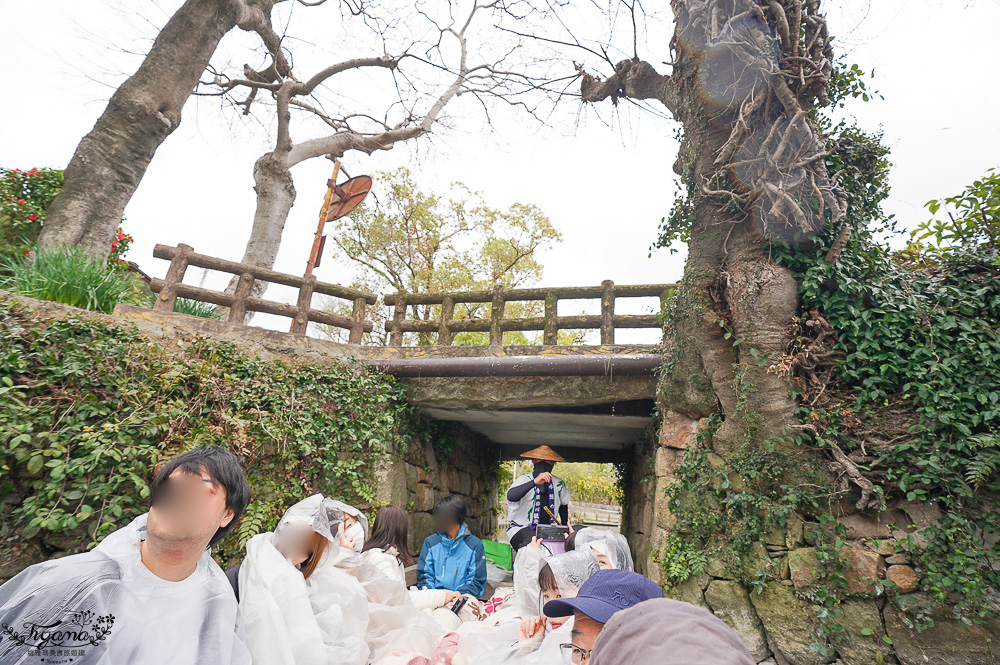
(604, 593)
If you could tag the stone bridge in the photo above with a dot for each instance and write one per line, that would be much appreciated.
(591, 402)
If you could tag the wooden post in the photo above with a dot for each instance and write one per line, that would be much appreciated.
(317, 246)
(607, 312)
(302, 306)
(496, 315)
(358, 321)
(175, 275)
(447, 310)
(398, 315)
(238, 312)
(551, 335)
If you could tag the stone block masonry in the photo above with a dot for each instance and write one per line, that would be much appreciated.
(426, 472)
(777, 623)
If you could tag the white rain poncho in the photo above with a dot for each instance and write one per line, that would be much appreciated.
(607, 544)
(346, 613)
(291, 620)
(500, 646)
(133, 616)
(526, 591)
(396, 625)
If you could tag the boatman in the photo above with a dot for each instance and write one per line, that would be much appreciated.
(536, 497)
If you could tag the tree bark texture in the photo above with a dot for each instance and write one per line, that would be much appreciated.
(110, 161)
(746, 73)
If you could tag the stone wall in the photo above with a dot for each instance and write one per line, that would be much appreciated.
(777, 625)
(423, 475)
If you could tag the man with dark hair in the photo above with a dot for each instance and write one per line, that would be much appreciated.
(149, 592)
(452, 558)
(603, 595)
(217, 467)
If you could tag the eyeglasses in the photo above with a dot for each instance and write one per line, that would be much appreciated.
(573, 654)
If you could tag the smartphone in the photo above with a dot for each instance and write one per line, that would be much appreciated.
(551, 532)
(459, 604)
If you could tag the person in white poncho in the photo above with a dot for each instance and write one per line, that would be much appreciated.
(610, 548)
(534, 640)
(149, 593)
(308, 598)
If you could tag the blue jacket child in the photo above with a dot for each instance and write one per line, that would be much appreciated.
(457, 563)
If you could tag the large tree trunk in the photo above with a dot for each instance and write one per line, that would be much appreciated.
(745, 74)
(275, 197)
(111, 160)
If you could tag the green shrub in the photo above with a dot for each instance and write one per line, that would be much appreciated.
(918, 381)
(69, 276)
(25, 197)
(87, 409)
(591, 483)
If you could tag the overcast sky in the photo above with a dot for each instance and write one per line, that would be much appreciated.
(605, 187)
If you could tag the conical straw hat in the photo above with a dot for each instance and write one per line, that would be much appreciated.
(544, 453)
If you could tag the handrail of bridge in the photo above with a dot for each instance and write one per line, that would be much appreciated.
(241, 302)
(550, 324)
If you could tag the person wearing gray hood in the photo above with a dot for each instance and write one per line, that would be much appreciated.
(668, 632)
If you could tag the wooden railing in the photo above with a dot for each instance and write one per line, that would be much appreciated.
(241, 302)
(550, 324)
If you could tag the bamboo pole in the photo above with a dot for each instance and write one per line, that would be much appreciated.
(317, 245)
(318, 240)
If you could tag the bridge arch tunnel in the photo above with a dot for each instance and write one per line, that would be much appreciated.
(590, 404)
(602, 432)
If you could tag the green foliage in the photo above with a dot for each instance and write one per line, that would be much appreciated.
(918, 331)
(419, 242)
(88, 409)
(828, 589)
(676, 226)
(197, 308)
(975, 226)
(69, 276)
(442, 434)
(986, 461)
(25, 197)
(681, 559)
(592, 483)
(851, 82)
(724, 508)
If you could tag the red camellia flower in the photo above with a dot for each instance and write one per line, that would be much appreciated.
(32, 217)
(114, 243)
(121, 236)
(20, 202)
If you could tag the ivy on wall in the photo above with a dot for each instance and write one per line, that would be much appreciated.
(87, 409)
(915, 393)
